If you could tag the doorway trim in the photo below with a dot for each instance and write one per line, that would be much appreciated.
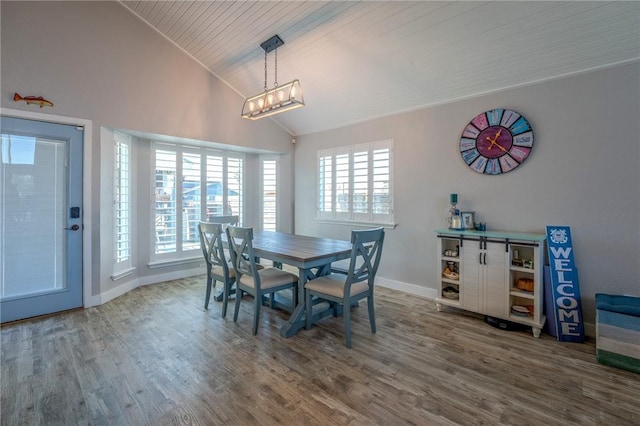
(87, 298)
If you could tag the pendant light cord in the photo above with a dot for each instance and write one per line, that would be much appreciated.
(265, 70)
(275, 83)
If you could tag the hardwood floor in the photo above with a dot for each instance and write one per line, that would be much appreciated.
(155, 356)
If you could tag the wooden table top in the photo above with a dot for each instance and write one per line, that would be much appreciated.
(299, 250)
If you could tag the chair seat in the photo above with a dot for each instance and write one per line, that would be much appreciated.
(269, 278)
(217, 270)
(333, 285)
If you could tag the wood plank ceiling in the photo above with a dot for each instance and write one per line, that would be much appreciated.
(361, 60)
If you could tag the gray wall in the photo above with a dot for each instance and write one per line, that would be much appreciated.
(97, 61)
(583, 172)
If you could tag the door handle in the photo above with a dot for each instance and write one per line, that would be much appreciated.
(74, 227)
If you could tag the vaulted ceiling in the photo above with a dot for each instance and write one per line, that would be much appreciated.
(358, 61)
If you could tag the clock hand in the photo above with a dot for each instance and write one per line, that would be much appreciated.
(493, 141)
(496, 138)
(501, 147)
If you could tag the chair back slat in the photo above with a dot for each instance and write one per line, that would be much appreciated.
(211, 244)
(240, 242)
(365, 255)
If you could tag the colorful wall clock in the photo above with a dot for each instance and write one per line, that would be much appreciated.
(496, 141)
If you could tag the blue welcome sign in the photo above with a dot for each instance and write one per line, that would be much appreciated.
(564, 281)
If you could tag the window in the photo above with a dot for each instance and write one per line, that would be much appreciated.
(234, 179)
(191, 184)
(269, 194)
(223, 171)
(355, 183)
(191, 205)
(122, 204)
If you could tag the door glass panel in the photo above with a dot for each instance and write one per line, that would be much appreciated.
(33, 215)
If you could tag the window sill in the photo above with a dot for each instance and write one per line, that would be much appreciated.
(387, 225)
(173, 262)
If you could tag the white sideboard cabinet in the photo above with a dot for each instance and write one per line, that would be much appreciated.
(492, 273)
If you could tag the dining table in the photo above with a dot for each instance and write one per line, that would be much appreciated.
(311, 255)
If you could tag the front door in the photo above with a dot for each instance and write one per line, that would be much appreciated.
(40, 218)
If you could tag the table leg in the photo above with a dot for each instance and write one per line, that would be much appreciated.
(219, 294)
(297, 319)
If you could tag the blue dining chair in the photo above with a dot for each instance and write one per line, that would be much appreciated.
(218, 268)
(358, 283)
(224, 221)
(250, 278)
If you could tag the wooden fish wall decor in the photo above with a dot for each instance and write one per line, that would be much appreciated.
(33, 100)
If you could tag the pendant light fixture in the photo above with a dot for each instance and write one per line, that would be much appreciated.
(280, 98)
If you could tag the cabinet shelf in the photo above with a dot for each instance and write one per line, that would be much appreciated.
(450, 281)
(522, 294)
(521, 269)
(451, 259)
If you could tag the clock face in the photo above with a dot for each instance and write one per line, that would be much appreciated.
(496, 141)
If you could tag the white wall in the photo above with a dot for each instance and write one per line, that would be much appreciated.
(583, 172)
(96, 61)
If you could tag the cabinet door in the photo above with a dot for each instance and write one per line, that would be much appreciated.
(471, 277)
(495, 294)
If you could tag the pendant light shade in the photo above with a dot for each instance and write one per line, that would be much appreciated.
(279, 99)
(273, 101)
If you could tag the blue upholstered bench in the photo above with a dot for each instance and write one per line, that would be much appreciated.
(618, 331)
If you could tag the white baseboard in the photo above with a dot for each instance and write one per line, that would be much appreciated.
(416, 290)
(133, 284)
(176, 275)
(113, 293)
